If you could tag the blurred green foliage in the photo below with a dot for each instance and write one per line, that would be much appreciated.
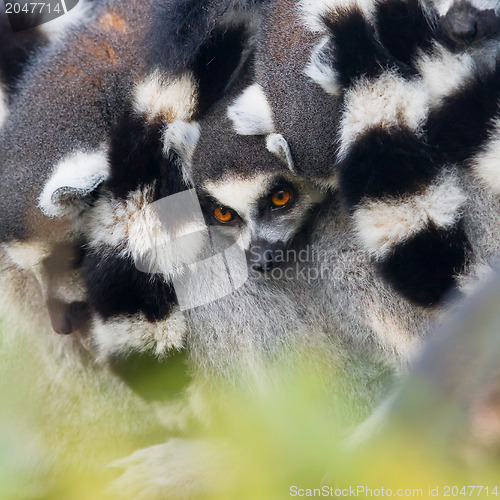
(58, 436)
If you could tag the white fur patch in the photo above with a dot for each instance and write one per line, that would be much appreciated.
(387, 102)
(277, 145)
(382, 224)
(133, 228)
(486, 165)
(30, 256)
(123, 335)
(330, 183)
(442, 6)
(251, 113)
(392, 333)
(241, 195)
(167, 248)
(4, 105)
(27, 255)
(313, 11)
(478, 274)
(444, 72)
(57, 27)
(321, 72)
(106, 224)
(182, 137)
(75, 176)
(169, 99)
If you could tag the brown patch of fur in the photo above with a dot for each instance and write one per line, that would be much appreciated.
(111, 21)
(287, 36)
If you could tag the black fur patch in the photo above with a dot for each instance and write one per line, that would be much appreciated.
(460, 126)
(188, 36)
(385, 163)
(152, 378)
(137, 159)
(180, 28)
(216, 62)
(115, 287)
(16, 49)
(354, 49)
(403, 28)
(423, 269)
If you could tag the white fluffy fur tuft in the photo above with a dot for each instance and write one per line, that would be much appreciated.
(27, 255)
(4, 105)
(182, 137)
(121, 336)
(443, 72)
(134, 229)
(486, 165)
(277, 145)
(74, 177)
(168, 99)
(251, 113)
(313, 11)
(321, 72)
(387, 102)
(382, 224)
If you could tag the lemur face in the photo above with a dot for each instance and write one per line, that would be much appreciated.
(265, 211)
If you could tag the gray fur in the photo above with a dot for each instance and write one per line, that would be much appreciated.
(83, 80)
(66, 104)
(302, 112)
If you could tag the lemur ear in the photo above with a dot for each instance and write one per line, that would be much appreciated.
(74, 178)
(180, 139)
(278, 145)
(321, 67)
(251, 113)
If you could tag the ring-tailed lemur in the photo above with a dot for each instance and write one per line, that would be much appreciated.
(370, 48)
(266, 324)
(260, 341)
(94, 73)
(245, 188)
(97, 66)
(114, 240)
(66, 107)
(136, 311)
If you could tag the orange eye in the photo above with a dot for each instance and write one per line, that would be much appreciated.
(223, 214)
(281, 197)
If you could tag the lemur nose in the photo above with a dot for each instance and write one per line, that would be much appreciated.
(262, 254)
(464, 24)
